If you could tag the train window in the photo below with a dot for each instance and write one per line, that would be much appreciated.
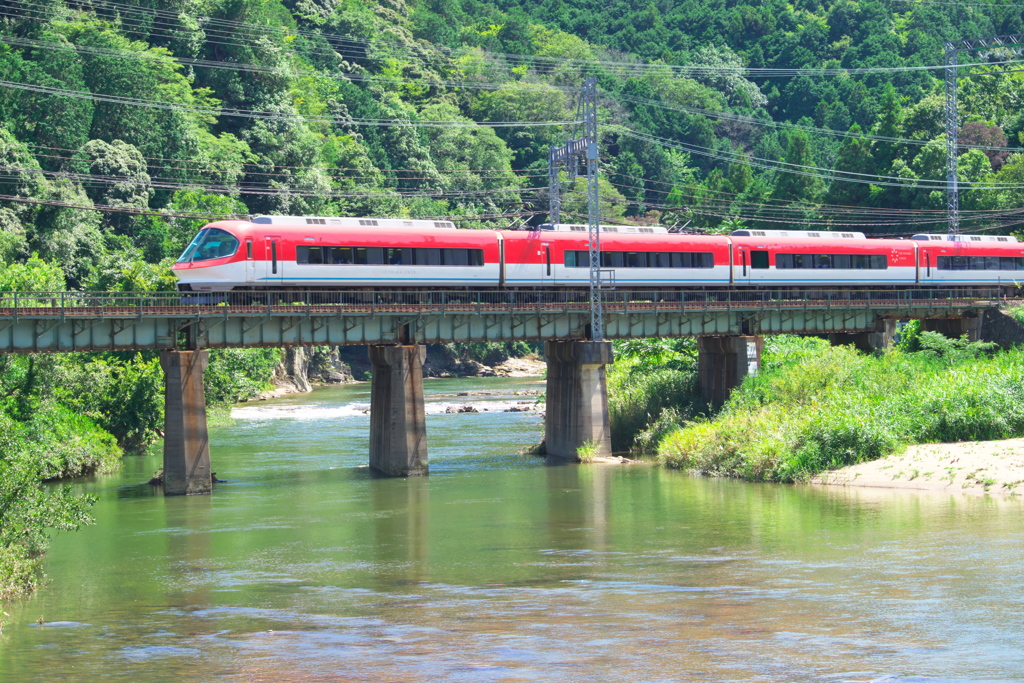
(641, 259)
(341, 256)
(759, 259)
(980, 263)
(248, 249)
(368, 256)
(394, 256)
(428, 257)
(829, 261)
(309, 254)
(210, 243)
(455, 257)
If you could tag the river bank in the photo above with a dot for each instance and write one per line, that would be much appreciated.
(976, 467)
(301, 369)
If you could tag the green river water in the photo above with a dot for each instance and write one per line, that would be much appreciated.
(497, 567)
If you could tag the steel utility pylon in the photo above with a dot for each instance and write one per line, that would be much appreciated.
(571, 152)
(1013, 43)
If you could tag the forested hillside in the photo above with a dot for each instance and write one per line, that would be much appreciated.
(125, 126)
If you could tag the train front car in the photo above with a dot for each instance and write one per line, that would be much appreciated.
(214, 261)
(281, 253)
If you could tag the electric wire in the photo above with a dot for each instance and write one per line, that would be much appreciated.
(275, 116)
(341, 43)
(813, 171)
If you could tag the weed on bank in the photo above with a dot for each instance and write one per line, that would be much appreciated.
(828, 407)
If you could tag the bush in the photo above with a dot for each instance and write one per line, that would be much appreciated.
(122, 393)
(638, 395)
(835, 407)
(234, 375)
(27, 510)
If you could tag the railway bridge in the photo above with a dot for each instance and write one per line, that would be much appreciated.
(729, 325)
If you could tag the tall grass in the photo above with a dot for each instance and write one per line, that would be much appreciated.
(835, 407)
(652, 389)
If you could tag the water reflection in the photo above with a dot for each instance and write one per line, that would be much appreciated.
(497, 567)
(401, 530)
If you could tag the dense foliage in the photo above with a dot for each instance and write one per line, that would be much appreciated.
(652, 388)
(818, 407)
(169, 113)
(125, 125)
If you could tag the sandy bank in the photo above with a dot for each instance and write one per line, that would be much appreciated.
(980, 467)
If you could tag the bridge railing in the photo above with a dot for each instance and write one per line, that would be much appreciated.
(77, 304)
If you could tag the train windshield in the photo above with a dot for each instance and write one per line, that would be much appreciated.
(210, 243)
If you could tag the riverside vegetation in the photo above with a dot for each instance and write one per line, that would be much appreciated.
(815, 407)
(125, 125)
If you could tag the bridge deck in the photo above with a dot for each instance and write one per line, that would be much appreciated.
(83, 321)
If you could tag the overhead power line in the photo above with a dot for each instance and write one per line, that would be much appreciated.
(204, 215)
(754, 121)
(335, 172)
(87, 179)
(268, 115)
(146, 56)
(357, 47)
(807, 170)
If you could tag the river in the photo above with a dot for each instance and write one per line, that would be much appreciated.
(496, 567)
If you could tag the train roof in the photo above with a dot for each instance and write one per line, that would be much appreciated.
(627, 229)
(802, 234)
(964, 238)
(351, 222)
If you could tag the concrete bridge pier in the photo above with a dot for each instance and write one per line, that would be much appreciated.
(577, 397)
(398, 429)
(186, 444)
(723, 362)
(869, 342)
(954, 328)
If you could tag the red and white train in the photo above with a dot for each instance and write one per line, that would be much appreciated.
(298, 252)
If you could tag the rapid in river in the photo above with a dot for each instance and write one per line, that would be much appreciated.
(498, 567)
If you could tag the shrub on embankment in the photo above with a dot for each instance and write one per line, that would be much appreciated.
(652, 389)
(51, 443)
(830, 407)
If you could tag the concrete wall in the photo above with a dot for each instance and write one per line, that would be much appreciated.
(577, 398)
(186, 443)
(398, 431)
(1001, 328)
(723, 362)
(869, 342)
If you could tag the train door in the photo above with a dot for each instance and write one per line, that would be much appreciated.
(250, 260)
(274, 263)
(742, 265)
(925, 264)
(547, 265)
